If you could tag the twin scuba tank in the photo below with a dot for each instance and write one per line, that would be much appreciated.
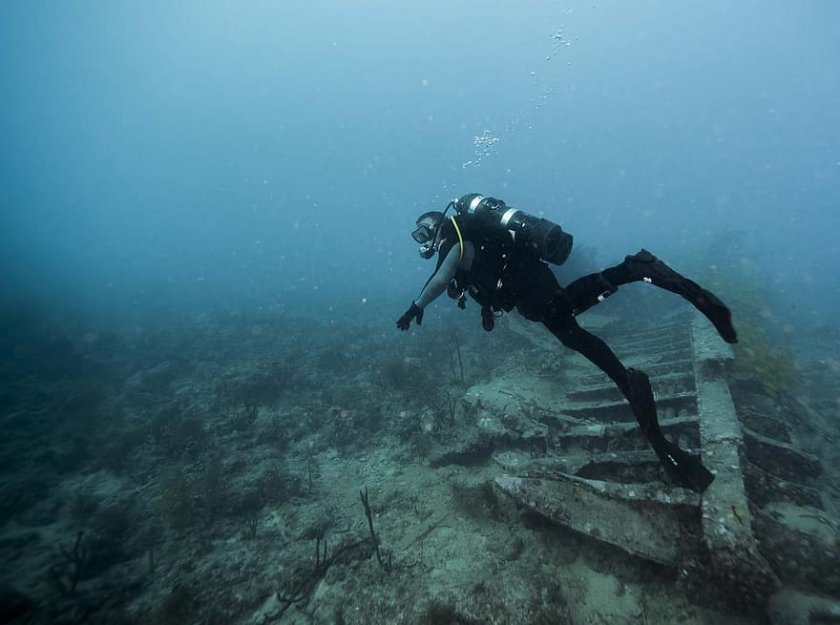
(545, 238)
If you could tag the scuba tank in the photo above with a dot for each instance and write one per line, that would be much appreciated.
(545, 238)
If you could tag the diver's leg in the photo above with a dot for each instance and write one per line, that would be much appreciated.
(682, 467)
(587, 291)
(644, 266)
(564, 326)
(635, 386)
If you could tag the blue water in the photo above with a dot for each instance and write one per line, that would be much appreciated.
(201, 198)
(163, 156)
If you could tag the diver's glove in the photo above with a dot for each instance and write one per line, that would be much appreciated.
(414, 312)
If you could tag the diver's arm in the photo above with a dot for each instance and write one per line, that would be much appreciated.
(442, 277)
(437, 283)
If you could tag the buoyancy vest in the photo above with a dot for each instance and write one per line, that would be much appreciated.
(488, 281)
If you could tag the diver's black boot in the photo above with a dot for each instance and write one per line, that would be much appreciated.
(681, 467)
(648, 268)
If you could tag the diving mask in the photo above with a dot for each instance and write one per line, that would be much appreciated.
(428, 226)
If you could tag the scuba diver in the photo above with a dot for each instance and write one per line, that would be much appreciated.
(498, 255)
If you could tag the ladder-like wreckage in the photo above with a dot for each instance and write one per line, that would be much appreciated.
(761, 525)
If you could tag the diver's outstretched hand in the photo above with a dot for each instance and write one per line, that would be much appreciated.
(414, 312)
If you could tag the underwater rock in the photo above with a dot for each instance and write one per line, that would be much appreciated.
(474, 450)
(801, 545)
(780, 459)
(789, 607)
(474, 445)
(630, 517)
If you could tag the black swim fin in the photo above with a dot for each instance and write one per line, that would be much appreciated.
(647, 267)
(710, 305)
(681, 466)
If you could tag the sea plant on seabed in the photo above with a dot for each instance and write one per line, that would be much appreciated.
(304, 586)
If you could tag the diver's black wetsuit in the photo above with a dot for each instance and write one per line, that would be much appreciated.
(500, 277)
